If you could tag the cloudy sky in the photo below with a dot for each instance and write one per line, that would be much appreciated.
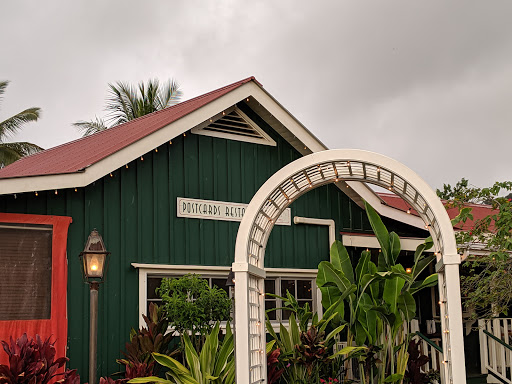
(428, 83)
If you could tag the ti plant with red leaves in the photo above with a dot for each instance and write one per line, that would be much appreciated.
(416, 361)
(33, 362)
(312, 351)
(274, 371)
(138, 360)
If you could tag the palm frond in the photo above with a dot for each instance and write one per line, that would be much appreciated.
(90, 127)
(10, 152)
(170, 94)
(122, 103)
(15, 123)
(3, 85)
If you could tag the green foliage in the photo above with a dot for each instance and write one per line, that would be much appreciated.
(483, 276)
(191, 306)
(305, 354)
(375, 300)
(127, 102)
(10, 152)
(215, 363)
(138, 356)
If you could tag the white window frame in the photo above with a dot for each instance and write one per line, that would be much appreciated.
(146, 270)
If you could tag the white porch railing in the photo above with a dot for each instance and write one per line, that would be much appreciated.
(435, 354)
(495, 350)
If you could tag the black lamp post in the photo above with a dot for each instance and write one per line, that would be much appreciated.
(94, 260)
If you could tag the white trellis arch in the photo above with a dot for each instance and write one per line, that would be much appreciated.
(296, 179)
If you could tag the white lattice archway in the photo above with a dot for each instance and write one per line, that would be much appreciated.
(296, 179)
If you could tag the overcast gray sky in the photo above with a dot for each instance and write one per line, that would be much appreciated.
(428, 83)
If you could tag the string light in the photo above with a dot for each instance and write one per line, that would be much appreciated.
(258, 323)
(37, 194)
(56, 192)
(305, 147)
(126, 166)
(185, 134)
(211, 121)
(156, 149)
(142, 158)
(111, 175)
(247, 99)
(409, 211)
(170, 142)
(76, 189)
(223, 113)
(408, 270)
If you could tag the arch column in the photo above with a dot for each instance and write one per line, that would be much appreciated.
(300, 177)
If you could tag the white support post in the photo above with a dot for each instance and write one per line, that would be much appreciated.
(455, 337)
(242, 352)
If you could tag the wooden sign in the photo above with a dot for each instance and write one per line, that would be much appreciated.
(220, 210)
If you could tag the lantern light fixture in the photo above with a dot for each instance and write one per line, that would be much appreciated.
(94, 259)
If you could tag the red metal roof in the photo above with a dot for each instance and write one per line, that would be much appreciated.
(79, 154)
(479, 211)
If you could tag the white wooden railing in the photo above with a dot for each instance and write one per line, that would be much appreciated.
(434, 354)
(495, 351)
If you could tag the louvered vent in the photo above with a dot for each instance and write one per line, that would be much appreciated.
(235, 125)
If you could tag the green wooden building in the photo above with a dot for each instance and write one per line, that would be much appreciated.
(166, 192)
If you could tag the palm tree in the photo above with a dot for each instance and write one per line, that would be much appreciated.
(127, 102)
(10, 152)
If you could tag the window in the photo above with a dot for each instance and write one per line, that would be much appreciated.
(26, 271)
(301, 289)
(299, 282)
(154, 282)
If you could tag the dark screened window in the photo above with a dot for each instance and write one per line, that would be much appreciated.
(25, 272)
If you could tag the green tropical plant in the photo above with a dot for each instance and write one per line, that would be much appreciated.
(215, 364)
(191, 306)
(127, 102)
(10, 152)
(376, 300)
(306, 354)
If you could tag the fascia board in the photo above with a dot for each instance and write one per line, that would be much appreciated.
(385, 210)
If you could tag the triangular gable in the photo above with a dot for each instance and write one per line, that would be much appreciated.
(234, 124)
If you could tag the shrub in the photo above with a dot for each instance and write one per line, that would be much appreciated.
(138, 359)
(192, 307)
(33, 362)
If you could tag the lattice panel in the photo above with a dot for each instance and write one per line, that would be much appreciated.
(329, 172)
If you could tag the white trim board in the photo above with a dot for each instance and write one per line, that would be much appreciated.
(363, 241)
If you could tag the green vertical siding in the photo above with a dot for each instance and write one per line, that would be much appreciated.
(135, 211)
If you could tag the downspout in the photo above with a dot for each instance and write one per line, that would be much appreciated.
(332, 237)
(328, 222)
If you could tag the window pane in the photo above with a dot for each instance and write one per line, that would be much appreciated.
(221, 283)
(153, 283)
(270, 286)
(304, 289)
(26, 272)
(286, 314)
(287, 285)
(302, 303)
(268, 305)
